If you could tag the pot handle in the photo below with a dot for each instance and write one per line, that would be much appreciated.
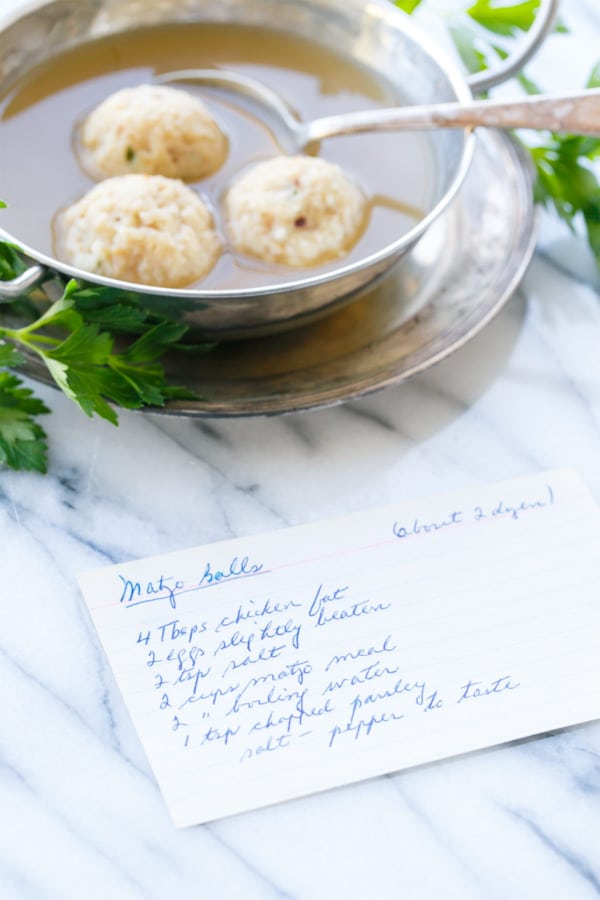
(12, 290)
(483, 81)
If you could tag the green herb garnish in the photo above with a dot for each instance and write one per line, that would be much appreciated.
(76, 340)
(22, 440)
(565, 178)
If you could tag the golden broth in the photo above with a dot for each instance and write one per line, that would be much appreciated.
(40, 173)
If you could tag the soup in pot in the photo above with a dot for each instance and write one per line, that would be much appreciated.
(43, 172)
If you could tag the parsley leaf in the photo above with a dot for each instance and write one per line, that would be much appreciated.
(101, 346)
(469, 46)
(23, 444)
(10, 356)
(502, 18)
(566, 180)
(594, 79)
(11, 263)
(86, 365)
(408, 6)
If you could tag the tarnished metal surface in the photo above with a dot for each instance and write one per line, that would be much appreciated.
(450, 285)
(375, 33)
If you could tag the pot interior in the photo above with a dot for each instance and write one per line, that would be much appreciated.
(372, 36)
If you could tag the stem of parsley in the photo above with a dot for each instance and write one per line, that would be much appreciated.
(76, 339)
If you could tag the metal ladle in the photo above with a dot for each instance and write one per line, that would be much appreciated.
(575, 113)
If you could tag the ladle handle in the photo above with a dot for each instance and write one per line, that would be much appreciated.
(15, 288)
(525, 49)
(577, 113)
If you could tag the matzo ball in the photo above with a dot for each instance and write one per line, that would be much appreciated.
(152, 130)
(144, 229)
(295, 210)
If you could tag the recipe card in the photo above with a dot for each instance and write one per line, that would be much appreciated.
(264, 668)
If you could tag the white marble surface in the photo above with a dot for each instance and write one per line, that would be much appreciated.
(80, 814)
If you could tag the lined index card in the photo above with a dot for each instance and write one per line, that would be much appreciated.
(264, 668)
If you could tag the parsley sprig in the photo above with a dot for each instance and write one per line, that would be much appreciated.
(77, 339)
(566, 179)
(23, 442)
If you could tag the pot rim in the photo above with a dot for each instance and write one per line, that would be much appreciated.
(456, 79)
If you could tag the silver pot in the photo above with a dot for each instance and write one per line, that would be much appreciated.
(376, 33)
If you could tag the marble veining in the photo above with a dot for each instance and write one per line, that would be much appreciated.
(81, 816)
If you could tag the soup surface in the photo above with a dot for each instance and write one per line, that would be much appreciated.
(40, 174)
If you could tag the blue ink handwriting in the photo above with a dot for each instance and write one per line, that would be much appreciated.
(363, 727)
(514, 510)
(417, 527)
(474, 689)
(368, 673)
(264, 654)
(266, 608)
(386, 647)
(237, 569)
(173, 631)
(272, 743)
(161, 589)
(324, 614)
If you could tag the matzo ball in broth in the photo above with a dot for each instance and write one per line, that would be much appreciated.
(144, 229)
(152, 130)
(296, 211)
